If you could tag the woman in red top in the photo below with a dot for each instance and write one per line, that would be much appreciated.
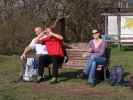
(55, 49)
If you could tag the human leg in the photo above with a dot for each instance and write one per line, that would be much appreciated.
(92, 73)
(44, 61)
(89, 61)
(56, 61)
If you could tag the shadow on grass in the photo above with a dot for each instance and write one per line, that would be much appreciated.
(65, 76)
(125, 80)
(126, 74)
(127, 48)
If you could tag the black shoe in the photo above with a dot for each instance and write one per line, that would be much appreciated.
(112, 83)
(92, 84)
(81, 75)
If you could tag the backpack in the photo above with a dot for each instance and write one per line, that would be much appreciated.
(116, 75)
(31, 70)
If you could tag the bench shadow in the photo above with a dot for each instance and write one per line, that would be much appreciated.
(65, 76)
(126, 81)
(126, 74)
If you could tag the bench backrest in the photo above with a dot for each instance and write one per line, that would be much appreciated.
(75, 55)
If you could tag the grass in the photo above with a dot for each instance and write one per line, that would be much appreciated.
(69, 88)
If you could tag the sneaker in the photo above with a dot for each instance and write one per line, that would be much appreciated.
(92, 84)
(34, 78)
(39, 79)
(53, 80)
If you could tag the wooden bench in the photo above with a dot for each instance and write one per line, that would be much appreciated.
(77, 61)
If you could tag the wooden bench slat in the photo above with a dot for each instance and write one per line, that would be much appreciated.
(74, 65)
(75, 58)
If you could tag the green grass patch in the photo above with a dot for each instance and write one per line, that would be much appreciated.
(69, 88)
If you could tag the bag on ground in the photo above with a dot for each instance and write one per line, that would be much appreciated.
(116, 75)
(31, 70)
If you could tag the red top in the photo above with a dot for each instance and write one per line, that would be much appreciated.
(54, 46)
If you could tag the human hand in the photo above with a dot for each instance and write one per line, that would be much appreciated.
(23, 56)
(85, 55)
(51, 33)
(43, 37)
(90, 50)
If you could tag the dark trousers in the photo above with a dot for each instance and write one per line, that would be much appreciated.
(56, 62)
(44, 61)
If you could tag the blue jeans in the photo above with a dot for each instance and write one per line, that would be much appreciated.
(90, 68)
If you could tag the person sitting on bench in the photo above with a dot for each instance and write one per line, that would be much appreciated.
(95, 56)
(41, 54)
(54, 44)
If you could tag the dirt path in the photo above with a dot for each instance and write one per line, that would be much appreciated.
(69, 89)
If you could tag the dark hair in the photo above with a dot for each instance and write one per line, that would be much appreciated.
(100, 35)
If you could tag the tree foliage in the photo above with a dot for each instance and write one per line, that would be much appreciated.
(19, 17)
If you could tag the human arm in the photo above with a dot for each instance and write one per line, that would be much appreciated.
(26, 50)
(86, 54)
(58, 36)
(65, 45)
(89, 50)
(40, 38)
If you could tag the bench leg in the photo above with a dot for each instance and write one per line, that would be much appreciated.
(106, 73)
(49, 71)
(105, 76)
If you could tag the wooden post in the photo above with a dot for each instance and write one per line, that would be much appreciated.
(106, 24)
(62, 29)
(119, 30)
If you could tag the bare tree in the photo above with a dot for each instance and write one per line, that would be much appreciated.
(19, 17)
